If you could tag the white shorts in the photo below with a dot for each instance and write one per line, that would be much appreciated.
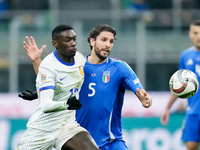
(36, 139)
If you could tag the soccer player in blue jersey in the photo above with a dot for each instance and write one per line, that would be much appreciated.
(190, 59)
(102, 92)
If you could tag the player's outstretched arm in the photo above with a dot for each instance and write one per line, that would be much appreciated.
(49, 105)
(144, 98)
(165, 116)
(33, 52)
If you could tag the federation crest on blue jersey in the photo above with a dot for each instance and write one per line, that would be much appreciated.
(106, 76)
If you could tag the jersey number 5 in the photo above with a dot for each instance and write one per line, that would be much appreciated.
(91, 87)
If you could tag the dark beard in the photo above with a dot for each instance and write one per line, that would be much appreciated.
(102, 58)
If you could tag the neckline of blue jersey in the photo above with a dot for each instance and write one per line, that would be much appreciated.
(193, 49)
(86, 58)
(61, 61)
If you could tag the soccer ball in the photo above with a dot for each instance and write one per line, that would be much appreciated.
(183, 83)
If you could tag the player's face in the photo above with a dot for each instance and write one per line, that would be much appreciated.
(103, 44)
(195, 36)
(66, 44)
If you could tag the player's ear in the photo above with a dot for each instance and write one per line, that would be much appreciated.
(55, 44)
(92, 40)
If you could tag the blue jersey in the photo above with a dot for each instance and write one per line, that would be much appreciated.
(190, 59)
(102, 95)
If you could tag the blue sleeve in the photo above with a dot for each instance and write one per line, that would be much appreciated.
(181, 62)
(130, 80)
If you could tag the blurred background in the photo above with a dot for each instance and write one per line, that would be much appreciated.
(151, 34)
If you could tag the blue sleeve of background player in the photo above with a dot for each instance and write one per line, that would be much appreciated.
(130, 80)
(181, 62)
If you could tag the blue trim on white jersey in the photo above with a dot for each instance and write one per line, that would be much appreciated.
(47, 87)
(65, 63)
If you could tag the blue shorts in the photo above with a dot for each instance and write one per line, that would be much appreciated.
(191, 131)
(115, 145)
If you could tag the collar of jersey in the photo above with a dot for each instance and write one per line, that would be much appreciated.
(192, 48)
(61, 61)
(107, 60)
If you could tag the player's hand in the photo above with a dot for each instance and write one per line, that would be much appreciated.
(145, 99)
(73, 103)
(28, 95)
(165, 117)
(32, 50)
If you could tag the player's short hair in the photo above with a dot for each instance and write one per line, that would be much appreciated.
(94, 32)
(58, 29)
(195, 22)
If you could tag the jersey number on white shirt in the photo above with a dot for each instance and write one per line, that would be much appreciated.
(73, 91)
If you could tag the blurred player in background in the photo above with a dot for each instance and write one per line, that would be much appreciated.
(103, 90)
(59, 80)
(189, 59)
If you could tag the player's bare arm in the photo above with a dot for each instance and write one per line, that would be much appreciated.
(145, 99)
(33, 52)
(165, 116)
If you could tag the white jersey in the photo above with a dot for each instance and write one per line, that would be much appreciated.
(66, 80)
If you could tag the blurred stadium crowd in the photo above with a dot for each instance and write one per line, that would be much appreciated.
(151, 34)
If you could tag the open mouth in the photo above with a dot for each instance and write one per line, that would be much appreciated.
(105, 52)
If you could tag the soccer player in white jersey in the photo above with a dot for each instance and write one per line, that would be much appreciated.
(58, 83)
(102, 93)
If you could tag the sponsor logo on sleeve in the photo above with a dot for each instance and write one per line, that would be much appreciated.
(136, 81)
(43, 77)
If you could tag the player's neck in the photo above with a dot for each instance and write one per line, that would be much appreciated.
(64, 58)
(93, 59)
(197, 49)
